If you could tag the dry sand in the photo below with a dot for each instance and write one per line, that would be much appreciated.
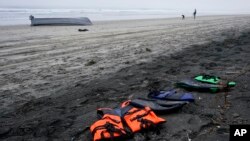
(53, 78)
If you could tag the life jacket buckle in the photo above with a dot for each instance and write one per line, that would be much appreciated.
(110, 127)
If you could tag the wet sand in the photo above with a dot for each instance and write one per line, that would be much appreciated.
(52, 79)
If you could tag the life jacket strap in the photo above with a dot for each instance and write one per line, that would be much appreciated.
(140, 116)
(116, 121)
(132, 112)
(111, 129)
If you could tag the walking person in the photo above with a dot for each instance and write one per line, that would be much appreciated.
(183, 17)
(194, 13)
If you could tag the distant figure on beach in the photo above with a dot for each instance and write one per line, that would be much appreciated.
(183, 17)
(31, 17)
(194, 13)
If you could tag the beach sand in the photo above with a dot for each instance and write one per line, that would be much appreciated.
(53, 78)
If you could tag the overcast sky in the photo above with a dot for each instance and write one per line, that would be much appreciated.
(238, 5)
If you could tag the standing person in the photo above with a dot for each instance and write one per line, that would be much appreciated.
(194, 13)
(183, 17)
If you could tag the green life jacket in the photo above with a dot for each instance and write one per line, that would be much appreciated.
(212, 80)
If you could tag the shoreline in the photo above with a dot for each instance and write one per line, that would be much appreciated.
(147, 19)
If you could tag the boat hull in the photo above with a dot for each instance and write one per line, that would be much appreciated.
(60, 21)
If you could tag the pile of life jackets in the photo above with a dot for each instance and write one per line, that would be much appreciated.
(122, 122)
(127, 119)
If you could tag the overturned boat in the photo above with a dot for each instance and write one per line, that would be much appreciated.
(59, 21)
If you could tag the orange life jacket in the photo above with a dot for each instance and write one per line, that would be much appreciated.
(139, 118)
(108, 127)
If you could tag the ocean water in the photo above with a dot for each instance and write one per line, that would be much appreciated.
(15, 16)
